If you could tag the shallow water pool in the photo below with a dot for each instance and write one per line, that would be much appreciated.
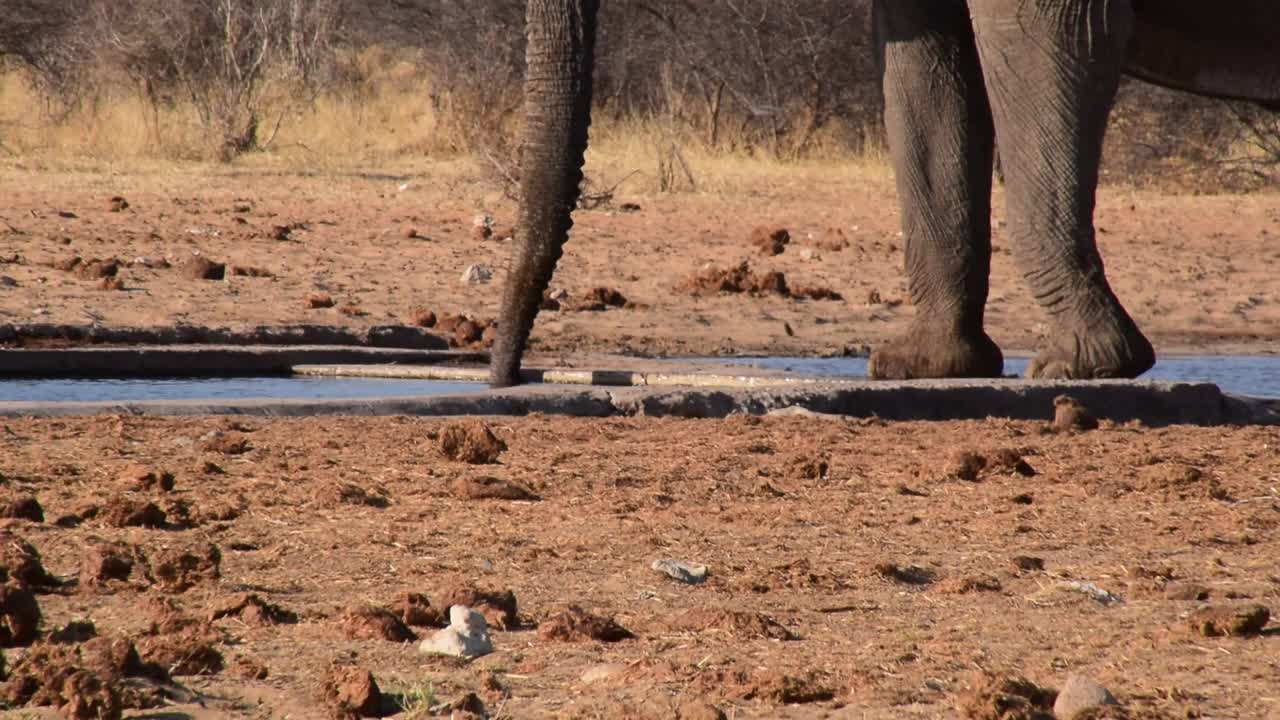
(1252, 375)
(221, 388)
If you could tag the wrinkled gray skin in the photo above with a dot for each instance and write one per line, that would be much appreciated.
(1038, 75)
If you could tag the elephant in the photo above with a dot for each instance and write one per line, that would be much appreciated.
(1038, 77)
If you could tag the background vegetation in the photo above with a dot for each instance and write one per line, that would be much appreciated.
(325, 81)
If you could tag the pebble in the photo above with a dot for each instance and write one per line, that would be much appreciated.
(685, 572)
(467, 636)
(477, 274)
(6, 281)
(1080, 694)
(604, 671)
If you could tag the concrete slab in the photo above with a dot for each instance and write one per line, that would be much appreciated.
(1152, 403)
(205, 360)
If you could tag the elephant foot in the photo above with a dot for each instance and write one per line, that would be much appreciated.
(1087, 351)
(929, 353)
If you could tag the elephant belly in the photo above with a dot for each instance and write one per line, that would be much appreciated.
(1227, 49)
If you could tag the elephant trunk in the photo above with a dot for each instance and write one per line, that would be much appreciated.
(561, 48)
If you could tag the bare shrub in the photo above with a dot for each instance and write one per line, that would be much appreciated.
(227, 58)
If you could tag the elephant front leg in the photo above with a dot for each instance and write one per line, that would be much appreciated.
(941, 140)
(1052, 70)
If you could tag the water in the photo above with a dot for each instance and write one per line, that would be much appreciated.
(222, 388)
(1256, 376)
(1252, 375)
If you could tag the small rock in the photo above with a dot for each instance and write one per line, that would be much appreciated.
(1080, 694)
(604, 671)
(685, 572)
(117, 204)
(6, 281)
(1070, 415)
(477, 274)
(1220, 621)
(467, 636)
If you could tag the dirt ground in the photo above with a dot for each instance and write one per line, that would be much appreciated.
(1197, 272)
(265, 568)
(856, 569)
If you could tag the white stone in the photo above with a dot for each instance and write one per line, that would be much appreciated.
(1079, 694)
(467, 636)
(685, 572)
(477, 274)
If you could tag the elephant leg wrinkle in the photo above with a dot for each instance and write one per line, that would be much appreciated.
(1051, 71)
(942, 143)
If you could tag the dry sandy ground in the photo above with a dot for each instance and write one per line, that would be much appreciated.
(853, 572)
(1197, 272)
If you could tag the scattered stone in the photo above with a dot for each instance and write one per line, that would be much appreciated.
(1079, 694)
(770, 241)
(122, 512)
(1229, 621)
(685, 572)
(738, 623)
(416, 610)
(499, 608)
(19, 616)
(176, 571)
(253, 610)
(117, 204)
(249, 668)
(374, 623)
(202, 268)
(146, 478)
(22, 507)
(320, 301)
(573, 624)
(1069, 415)
(910, 574)
(490, 488)
(470, 442)
(476, 274)
(467, 635)
(603, 671)
(352, 693)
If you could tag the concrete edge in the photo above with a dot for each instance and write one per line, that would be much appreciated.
(202, 360)
(1154, 404)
